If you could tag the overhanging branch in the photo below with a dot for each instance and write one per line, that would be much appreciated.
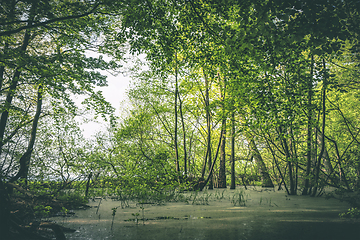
(40, 24)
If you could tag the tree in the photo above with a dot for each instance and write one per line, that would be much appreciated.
(42, 45)
(270, 52)
(47, 58)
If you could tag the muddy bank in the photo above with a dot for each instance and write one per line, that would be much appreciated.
(217, 214)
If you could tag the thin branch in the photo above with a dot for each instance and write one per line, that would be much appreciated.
(40, 24)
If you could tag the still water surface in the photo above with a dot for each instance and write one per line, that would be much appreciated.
(266, 215)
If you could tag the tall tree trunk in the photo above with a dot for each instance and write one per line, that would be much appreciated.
(205, 160)
(184, 135)
(176, 118)
(318, 163)
(15, 79)
(265, 177)
(282, 176)
(25, 158)
(4, 198)
(309, 130)
(88, 184)
(342, 175)
(208, 126)
(222, 170)
(232, 184)
(289, 162)
(212, 165)
(2, 68)
(327, 162)
(10, 18)
(295, 157)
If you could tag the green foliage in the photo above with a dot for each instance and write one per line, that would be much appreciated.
(351, 213)
(282, 62)
(42, 211)
(64, 211)
(72, 198)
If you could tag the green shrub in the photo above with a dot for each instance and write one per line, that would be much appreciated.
(351, 213)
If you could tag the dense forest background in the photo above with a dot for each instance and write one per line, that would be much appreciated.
(260, 92)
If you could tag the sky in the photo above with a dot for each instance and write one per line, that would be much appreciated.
(114, 93)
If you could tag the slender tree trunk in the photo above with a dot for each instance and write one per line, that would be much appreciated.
(291, 177)
(88, 184)
(184, 135)
(212, 165)
(282, 175)
(211, 184)
(208, 126)
(2, 68)
(295, 157)
(10, 18)
(176, 118)
(222, 170)
(191, 146)
(205, 162)
(318, 163)
(25, 158)
(265, 177)
(289, 162)
(4, 198)
(327, 162)
(232, 184)
(14, 82)
(309, 130)
(342, 174)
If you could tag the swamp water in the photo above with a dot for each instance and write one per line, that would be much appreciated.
(216, 214)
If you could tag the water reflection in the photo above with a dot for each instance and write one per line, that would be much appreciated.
(266, 215)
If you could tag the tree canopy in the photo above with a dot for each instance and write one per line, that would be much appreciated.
(230, 92)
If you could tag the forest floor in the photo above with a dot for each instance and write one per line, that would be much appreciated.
(255, 214)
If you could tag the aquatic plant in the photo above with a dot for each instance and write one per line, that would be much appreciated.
(201, 199)
(219, 195)
(143, 213)
(135, 219)
(195, 196)
(180, 197)
(239, 198)
(113, 217)
(351, 213)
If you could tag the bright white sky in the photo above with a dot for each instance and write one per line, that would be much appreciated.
(114, 93)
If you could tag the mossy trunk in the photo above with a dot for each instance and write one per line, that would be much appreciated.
(265, 177)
